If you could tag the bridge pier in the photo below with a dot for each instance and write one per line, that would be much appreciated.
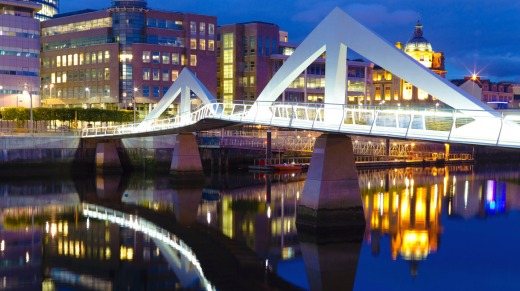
(186, 161)
(107, 158)
(331, 199)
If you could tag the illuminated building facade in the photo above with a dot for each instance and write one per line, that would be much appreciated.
(19, 53)
(498, 95)
(390, 89)
(251, 53)
(127, 54)
(49, 9)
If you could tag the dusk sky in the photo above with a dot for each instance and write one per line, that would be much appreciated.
(474, 36)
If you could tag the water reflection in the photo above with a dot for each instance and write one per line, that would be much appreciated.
(50, 240)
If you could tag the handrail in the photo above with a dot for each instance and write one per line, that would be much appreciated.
(383, 121)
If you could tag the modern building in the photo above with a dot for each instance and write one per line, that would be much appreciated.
(126, 54)
(251, 53)
(391, 89)
(49, 8)
(19, 53)
(497, 95)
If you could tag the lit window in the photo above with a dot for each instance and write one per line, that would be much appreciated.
(146, 57)
(146, 74)
(407, 91)
(166, 75)
(193, 60)
(211, 45)
(193, 43)
(107, 74)
(100, 57)
(155, 57)
(175, 75)
(202, 44)
(175, 58)
(107, 56)
(166, 58)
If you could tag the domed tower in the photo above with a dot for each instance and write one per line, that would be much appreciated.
(419, 48)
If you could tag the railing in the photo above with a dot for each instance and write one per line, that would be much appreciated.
(430, 124)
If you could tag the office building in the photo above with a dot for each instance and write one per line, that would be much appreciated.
(19, 53)
(124, 55)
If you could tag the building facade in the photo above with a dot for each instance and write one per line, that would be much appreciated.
(251, 53)
(127, 54)
(49, 9)
(19, 54)
(390, 89)
(497, 95)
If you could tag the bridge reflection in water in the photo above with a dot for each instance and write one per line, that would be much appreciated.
(408, 213)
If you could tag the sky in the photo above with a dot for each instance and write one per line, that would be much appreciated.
(476, 36)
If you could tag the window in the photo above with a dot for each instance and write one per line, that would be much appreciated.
(193, 60)
(93, 57)
(76, 60)
(107, 74)
(164, 90)
(166, 75)
(252, 66)
(175, 58)
(146, 74)
(175, 75)
(193, 43)
(252, 81)
(252, 46)
(146, 57)
(146, 91)
(193, 27)
(166, 58)
(58, 61)
(156, 74)
(107, 56)
(211, 45)
(202, 28)
(81, 59)
(87, 58)
(100, 57)
(260, 46)
(156, 91)
(211, 28)
(155, 57)
(202, 44)
(407, 91)
(69, 61)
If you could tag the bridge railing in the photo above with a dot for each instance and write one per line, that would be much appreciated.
(445, 125)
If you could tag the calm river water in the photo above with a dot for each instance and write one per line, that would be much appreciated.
(433, 228)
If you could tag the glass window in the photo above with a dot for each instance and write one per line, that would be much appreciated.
(155, 74)
(193, 27)
(69, 61)
(166, 58)
(202, 28)
(146, 91)
(166, 75)
(193, 43)
(93, 58)
(107, 74)
(107, 56)
(87, 58)
(211, 45)
(164, 90)
(175, 58)
(156, 91)
(252, 81)
(252, 45)
(58, 61)
(100, 57)
(76, 59)
(211, 28)
(193, 60)
(81, 59)
(202, 44)
(175, 75)
(146, 56)
(146, 74)
(155, 57)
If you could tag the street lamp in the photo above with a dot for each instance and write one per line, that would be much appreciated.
(135, 103)
(27, 89)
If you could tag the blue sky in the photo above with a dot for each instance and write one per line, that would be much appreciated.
(480, 36)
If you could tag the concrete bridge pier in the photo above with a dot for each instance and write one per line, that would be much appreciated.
(186, 162)
(107, 158)
(331, 199)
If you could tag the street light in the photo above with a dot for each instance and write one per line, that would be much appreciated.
(135, 103)
(27, 89)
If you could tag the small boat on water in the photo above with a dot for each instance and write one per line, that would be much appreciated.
(287, 167)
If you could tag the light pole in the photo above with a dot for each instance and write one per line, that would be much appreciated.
(87, 89)
(27, 89)
(135, 104)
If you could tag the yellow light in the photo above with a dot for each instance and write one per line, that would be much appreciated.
(474, 77)
(2, 246)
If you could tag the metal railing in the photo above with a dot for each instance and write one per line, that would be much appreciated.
(468, 127)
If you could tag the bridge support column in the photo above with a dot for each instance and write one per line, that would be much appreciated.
(331, 199)
(107, 159)
(186, 156)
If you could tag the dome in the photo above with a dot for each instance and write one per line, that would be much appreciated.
(417, 42)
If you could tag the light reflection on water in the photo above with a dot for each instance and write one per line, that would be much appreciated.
(426, 228)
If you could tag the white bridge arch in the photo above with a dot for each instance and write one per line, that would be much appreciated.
(470, 122)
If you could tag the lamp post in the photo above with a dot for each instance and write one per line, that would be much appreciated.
(135, 103)
(27, 89)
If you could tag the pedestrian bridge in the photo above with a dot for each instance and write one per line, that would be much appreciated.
(470, 122)
(427, 124)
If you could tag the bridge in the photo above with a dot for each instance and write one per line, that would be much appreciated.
(332, 187)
